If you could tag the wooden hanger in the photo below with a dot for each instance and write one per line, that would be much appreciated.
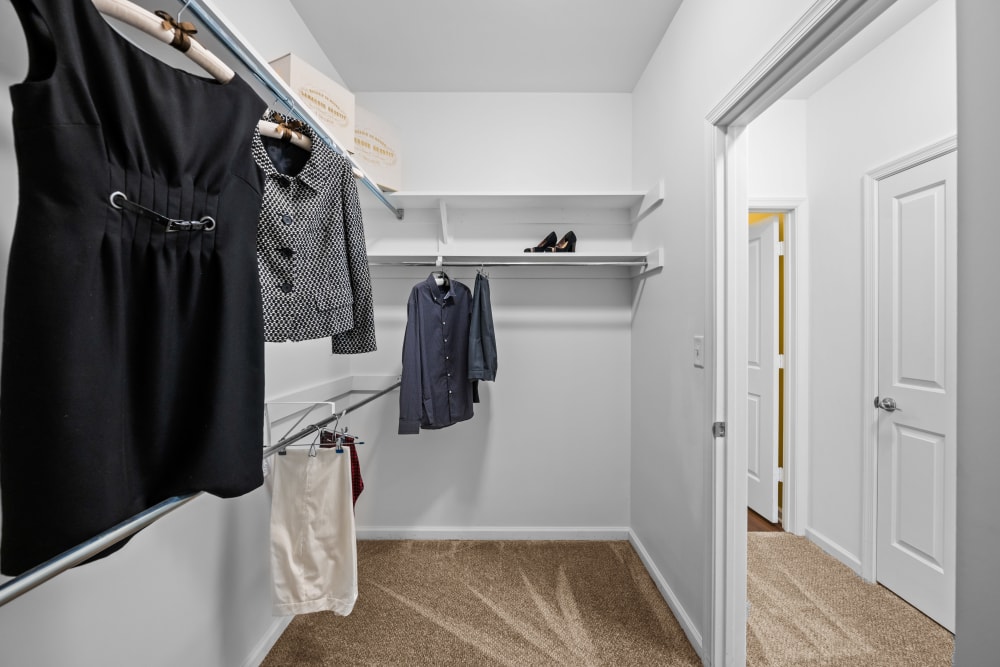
(286, 130)
(164, 28)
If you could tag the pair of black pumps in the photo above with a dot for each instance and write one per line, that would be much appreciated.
(549, 244)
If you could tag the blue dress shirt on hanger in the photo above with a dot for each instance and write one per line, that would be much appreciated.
(436, 390)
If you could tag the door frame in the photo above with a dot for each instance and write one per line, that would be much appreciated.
(869, 436)
(795, 397)
(825, 27)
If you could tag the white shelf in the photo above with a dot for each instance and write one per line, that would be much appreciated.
(634, 205)
(517, 200)
(627, 208)
(643, 261)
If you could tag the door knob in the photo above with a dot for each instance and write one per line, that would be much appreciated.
(887, 404)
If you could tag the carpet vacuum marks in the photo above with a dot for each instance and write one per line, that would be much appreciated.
(582, 603)
(516, 603)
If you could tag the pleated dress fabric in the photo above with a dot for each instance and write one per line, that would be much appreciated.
(132, 356)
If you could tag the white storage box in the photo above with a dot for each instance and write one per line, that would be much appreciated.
(332, 103)
(377, 151)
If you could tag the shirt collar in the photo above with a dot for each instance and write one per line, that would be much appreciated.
(436, 290)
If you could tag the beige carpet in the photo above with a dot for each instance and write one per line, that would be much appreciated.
(493, 603)
(807, 609)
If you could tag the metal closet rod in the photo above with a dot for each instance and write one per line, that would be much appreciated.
(642, 263)
(39, 574)
(312, 428)
(260, 69)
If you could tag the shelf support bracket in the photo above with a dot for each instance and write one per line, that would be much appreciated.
(650, 202)
(654, 263)
(443, 207)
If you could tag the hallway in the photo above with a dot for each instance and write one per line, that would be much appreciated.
(807, 608)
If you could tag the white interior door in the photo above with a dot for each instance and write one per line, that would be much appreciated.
(762, 370)
(915, 540)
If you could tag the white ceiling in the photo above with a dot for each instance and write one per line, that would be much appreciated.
(478, 45)
(522, 45)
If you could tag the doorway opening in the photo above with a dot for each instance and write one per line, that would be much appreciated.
(790, 415)
(821, 32)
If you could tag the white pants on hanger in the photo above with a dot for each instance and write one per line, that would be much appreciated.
(314, 555)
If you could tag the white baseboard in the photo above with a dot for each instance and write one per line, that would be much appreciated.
(491, 533)
(267, 642)
(834, 549)
(675, 606)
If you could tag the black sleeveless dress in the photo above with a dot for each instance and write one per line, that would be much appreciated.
(133, 348)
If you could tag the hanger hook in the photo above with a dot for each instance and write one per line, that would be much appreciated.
(336, 436)
(276, 116)
(183, 9)
(313, 451)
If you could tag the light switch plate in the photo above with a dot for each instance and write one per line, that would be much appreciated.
(699, 351)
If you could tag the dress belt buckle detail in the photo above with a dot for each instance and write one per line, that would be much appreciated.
(206, 224)
(120, 201)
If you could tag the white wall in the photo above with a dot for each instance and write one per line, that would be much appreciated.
(977, 641)
(192, 589)
(548, 450)
(897, 99)
(13, 68)
(709, 46)
(510, 141)
(776, 146)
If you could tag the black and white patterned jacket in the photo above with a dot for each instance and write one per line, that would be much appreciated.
(311, 254)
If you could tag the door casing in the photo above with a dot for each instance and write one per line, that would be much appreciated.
(795, 396)
(824, 28)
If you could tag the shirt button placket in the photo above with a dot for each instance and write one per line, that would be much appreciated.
(447, 366)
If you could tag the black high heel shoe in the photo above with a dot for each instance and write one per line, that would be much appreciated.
(566, 244)
(545, 245)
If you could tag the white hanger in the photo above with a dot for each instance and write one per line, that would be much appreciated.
(153, 25)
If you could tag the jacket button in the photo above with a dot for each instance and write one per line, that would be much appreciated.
(283, 181)
(286, 287)
(286, 252)
(287, 219)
